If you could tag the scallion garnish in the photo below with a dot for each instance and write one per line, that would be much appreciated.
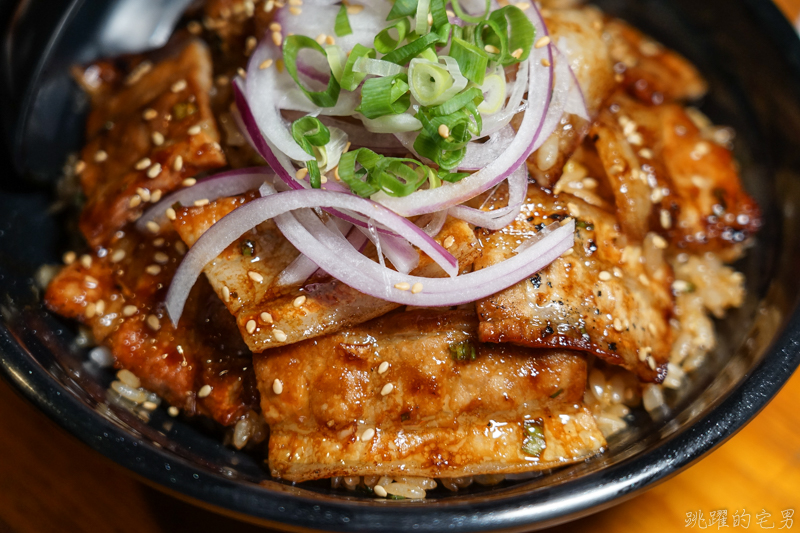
(342, 25)
(309, 132)
(471, 60)
(385, 42)
(291, 47)
(533, 443)
(385, 96)
(351, 79)
(469, 18)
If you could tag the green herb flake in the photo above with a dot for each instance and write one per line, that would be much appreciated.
(557, 393)
(183, 110)
(248, 248)
(463, 351)
(395, 497)
(534, 443)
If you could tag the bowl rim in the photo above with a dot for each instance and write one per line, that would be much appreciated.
(567, 501)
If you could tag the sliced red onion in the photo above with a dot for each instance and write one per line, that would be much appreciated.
(531, 131)
(576, 101)
(516, 102)
(364, 275)
(561, 91)
(250, 215)
(432, 223)
(499, 218)
(401, 254)
(221, 185)
(481, 154)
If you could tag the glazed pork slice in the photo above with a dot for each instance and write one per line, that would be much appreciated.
(414, 394)
(608, 296)
(578, 34)
(650, 71)
(669, 175)
(120, 295)
(146, 134)
(244, 276)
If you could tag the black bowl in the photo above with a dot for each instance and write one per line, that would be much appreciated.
(751, 57)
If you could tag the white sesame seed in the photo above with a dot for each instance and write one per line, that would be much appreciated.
(201, 203)
(142, 163)
(651, 362)
(177, 165)
(516, 54)
(159, 242)
(379, 491)
(383, 368)
(449, 241)
(117, 256)
(266, 318)
(153, 227)
(250, 327)
(194, 130)
(617, 272)
(91, 282)
(665, 219)
(444, 131)
(154, 171)
(153, 322)
(188, 182)
(618, 324)
(545, 62)
(157, 138)
(368, 434)
(171, 214)
(153, 270)
(155, 196)
(652, 328)
(135, 201)
(491, 49)
(150, 406)
(269, 6)
(91, 309)
(295, 11)
(69, 258)
(417, 288)
(100, 156)
(277, 386)
(80, 166)
(321, 38)
(250, 45)
(161, 258)
(329, 40)
(354, 9)
(659, 242)
(280, 336)
(129, 310)
(275, 26)
(265, 64)
(277, 38)
(180, 247)
(178, 86)
(149, 114)
(204, 391)
(299, 301)
(301, 174)
(522, 6)
(143, 193)
(387, 389)
(643, 279)
(255, 276)
(86, 261)
(100, 307)
(226, 293)
(604, 276)
(403, 286)
(541, 43)
(173, 411)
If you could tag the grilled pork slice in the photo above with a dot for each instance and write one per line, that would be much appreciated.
(578, 34)
(244, 276)
(119, 296)
(609, 296)
(670, 176)
(651, 72)
(414, 393)
(147, 133)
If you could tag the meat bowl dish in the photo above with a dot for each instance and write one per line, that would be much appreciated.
(401, 249)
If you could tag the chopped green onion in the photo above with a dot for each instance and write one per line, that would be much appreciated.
(392, 175)
(336, 61)
(421, 19)
(392, 123)
(342, 25)
(463, 351)
(533, 443)
(248, 248)
(452, 177)
(492, 37)
(384, 42)
(471, 60)
(291, 47)
(309, 132)
(433, 83)
(403, 55)
(493, 90)
(439, 14)
(385, 96)
(328, 156)
(447, 152)
(350, 79)
(378, 67)
(519, 30)
(472, 95)
(460, 13)
(429, 54)
(402, 8)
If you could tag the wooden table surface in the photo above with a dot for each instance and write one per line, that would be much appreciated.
(50, 482)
